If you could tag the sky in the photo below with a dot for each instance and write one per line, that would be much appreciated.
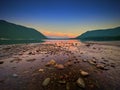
(62, 18)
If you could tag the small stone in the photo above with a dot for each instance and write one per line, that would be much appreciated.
(48, 64)
(67, 86)
(30, 53)
(100, 66)
(51, 62)
(106, 68)
(80, 82)
(105, 60)
(2, 80)
(81, 53)
(84, 60)
(46, 82)
(41, 70)
(83, 73)
(68, 64)
(15, 75)
(62, 82)
(26, 72)
(88, 45)
(91, 62)
(94, 48)
(1, 62)
(31, 60)
(112, 65)
(20, 53)
(59, 66)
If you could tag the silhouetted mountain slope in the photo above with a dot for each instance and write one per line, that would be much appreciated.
(101, 35)
(18, 32)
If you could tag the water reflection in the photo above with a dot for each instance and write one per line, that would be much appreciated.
(6, 42)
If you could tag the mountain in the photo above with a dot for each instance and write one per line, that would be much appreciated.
(17, 32)
(101, 35)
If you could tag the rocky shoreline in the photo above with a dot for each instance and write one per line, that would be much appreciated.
(60, 65)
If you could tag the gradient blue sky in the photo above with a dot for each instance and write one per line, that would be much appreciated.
(62, 18)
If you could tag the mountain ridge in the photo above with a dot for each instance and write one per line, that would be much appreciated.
(101, 35)
(12, 31)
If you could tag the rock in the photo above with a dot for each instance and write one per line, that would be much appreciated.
(105, 60)
(84, 60)
(67, 86)
(46, 82)
(15, 75)
(81, 53)
(31, 53)
(112, 65)
(26, 72)
(41, 70)
(100, 66)
(1, 62)
(62, 82)
(75, 62)
(2, 80)
(91, 62)
(106, 68)
(88, 45)
(80, 82)
(51, 62)
(47, 64)
(31, 60)
(83, 73)
(68, 64)
(20, 53)
(59, 66)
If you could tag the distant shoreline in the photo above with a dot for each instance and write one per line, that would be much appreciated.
(113, 43)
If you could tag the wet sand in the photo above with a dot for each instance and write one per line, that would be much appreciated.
(27, 66)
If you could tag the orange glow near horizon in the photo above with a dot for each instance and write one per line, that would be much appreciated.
(59, 34)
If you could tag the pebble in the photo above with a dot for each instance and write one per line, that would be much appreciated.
(51, 62)
(84, 60)
(15, 75)
(68, 63)
(91, 62)
(2, 80)
(80, 82)
(112, 65)
(41, 70)
(100, 66)
(31, 60)
(1, 62)
(62, 82)
(46, 82)
(88, 45)
(59, 66)
(83, 73)
(31, 53)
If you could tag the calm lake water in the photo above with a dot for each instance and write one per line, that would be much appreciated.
(6, 42)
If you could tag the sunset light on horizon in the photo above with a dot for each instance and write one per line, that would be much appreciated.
(62, 18)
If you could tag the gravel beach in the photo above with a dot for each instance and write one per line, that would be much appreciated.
(60, 65)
